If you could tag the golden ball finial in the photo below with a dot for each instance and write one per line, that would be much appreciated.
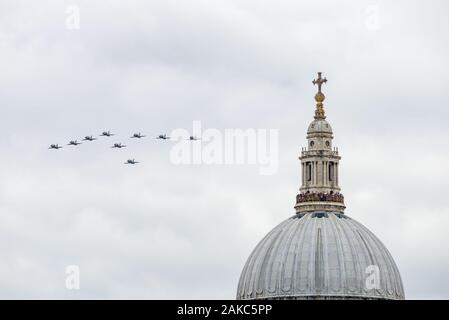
(319, 97)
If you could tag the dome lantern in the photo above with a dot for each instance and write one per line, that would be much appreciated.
(319, 163)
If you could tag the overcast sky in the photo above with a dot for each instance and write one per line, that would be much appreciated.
(159, 230)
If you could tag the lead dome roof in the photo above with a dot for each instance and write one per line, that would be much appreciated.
(317, 256)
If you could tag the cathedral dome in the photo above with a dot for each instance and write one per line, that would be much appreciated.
(319, 126)
(320, 255)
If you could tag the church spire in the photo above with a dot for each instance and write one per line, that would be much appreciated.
(320, 189)
(319, 97)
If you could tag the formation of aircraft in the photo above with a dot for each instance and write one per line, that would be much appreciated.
(117, 145)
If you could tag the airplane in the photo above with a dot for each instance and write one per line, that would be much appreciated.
(137, 135)
(74, 143)
(131, 161)
(89, 138)
(193, 138)
(163, 137)
(106, 134)
(118, 145)
(54, 146)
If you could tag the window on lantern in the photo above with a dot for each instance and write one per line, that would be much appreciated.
(331, 171)
(309, 171)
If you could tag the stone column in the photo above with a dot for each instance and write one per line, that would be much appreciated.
(336, 173)
(312, 173)
(325, 174)
(303, 174)
(322, 173)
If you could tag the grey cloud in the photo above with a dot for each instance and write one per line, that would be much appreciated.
(162, 231)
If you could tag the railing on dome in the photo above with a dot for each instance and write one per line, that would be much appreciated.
(319, 196)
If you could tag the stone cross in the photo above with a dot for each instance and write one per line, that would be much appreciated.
(319, 81)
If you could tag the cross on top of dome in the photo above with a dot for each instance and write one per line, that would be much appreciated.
(319, 97)
(319, 81)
